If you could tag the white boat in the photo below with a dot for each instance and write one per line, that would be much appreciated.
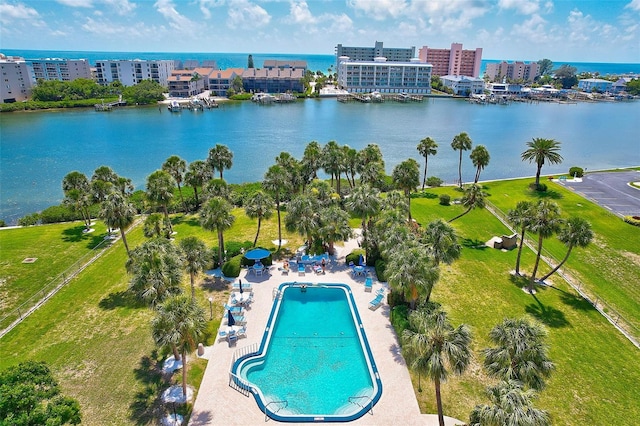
(376, 97)
(174, 106)
(263, 98)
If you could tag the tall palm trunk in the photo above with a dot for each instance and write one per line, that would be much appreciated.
(532, 278)
(220, 246)
(460, 170)
(124, 240)
(255, 240)
(176, 354)
(438, 401)
(193, 287)
(184, 373)
(538, 173)
(408, 193)
(520, 250)
(279, 221)
(424, 178)
(166, 217)
(553, 271)
(184, 206)
(460, 215)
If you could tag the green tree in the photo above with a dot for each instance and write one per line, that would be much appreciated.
(176, 167)
(179, 322)
(412, 272)
(156, 226)
(194, 254)
(545, 222)
(512, 405)
(332, 162)
(259, 206)
(275, 181)
(144, 93)
(292, 169)
(480, 159)
(77, 192)
(566, 75)
(406, 176)
(365, 203)
(160, 192)
(427, 147)
(118, 213)
(30, 395)
(545, 67)
(435, 348)
(521, 218)
(519, 353)
(250, 62)
(576, 232)
(216, 216)
(334, 226)
(220, 158)
(156, 269)
(472, 198)
(541, 150)
(442, 242)
(312, 159)
(196, 176)
(303, 217)
(461, 142)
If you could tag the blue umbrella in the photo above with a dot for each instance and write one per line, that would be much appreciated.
(257, 254)
(231, 321)
(361, 260)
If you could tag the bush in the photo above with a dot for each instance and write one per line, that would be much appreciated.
(399, 317)
(541, 187)
(234, 248)
(29, 220)
(445, 199)
(433, 181)
(2, 223)
(61, 213)
(633, 220)
(354, 256)
(396, 298)
(231, 268)
(381, 265)
(576, 172)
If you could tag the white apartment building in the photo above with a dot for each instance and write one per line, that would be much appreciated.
(393, 54)
(59, 69)
(131, 72)
(463, 85)
(514, 71)
(16, 79)
(382, 76)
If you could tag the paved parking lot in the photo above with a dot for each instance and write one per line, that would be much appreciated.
(611, 190)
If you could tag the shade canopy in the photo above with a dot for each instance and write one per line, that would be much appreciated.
(231, 321)
(257, 254)
(361, 260)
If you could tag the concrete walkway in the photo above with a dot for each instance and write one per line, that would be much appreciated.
(218, 404)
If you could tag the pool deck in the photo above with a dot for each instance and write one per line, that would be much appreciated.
(219, 404)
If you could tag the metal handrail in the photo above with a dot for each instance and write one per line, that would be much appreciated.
(352, 399)
(266, 416)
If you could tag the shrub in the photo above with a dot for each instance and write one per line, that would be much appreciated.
(541, 187)
(234, 248)
(576, 172)
(399, 317)
(354, 256)
(445, 199)
(434, 181)
(231, 268)
(29, 220)
(380, 270)
(60, 213)
(396, 298)
(2, 223)
(633, 220)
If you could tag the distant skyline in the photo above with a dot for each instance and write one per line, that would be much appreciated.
(576, 31)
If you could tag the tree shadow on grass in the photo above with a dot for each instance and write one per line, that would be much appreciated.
(424, 194)
(576, 301)
(474, 244)
(76, 234)
(147, 406)
(520, 281)
(546, 314)
(211, 283)
(546, 195)
(120, 299)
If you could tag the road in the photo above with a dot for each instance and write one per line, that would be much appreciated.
(610, 190)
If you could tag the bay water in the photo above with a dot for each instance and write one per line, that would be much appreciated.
(37, 149)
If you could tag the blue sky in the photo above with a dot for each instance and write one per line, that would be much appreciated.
(577, 31)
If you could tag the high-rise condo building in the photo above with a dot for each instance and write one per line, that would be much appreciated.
(59, 69)
(514, 71)
(131, 72)
(393, 54)
(454, 61)
(16, 79)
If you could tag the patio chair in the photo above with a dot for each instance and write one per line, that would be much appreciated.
(301, 270)
(242, 332)
(235, 310)
(368, 285)
(377, 302)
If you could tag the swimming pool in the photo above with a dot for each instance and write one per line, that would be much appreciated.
(314, 363)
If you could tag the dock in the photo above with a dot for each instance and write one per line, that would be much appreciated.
(379, 97)
(109, 106)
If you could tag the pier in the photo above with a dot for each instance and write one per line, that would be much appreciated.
(379, 97)
(109, 106)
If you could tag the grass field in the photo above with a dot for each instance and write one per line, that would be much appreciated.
(97, 339)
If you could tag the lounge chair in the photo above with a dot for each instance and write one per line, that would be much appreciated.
(242, 332)
(368, 284)
(239, 319)
(235, 310)
(375, 303)
(301, 270)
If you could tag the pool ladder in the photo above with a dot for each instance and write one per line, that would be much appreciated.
(284, 403)
(356, 400)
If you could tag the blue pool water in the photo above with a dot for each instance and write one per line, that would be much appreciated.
(314, 356)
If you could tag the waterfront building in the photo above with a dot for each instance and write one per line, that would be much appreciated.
(131, 72)
(504, 89)
(16, 79)
(219, 81)
(393, 54)
(274, 80)
(463, 85)
(513, 71)
(382, 76)
(595, 85)
(187, 83)
(453, 61)
(59, 69)
(191, 64)
(271, 64)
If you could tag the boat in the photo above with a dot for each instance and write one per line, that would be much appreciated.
(263, 98)
(376, 97)
(174, 106)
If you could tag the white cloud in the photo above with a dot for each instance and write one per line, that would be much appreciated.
(76, 3)
(533, 30)
(244, 14)
(206, 5)
(525, 7)
(9, 13)
(122, 7)
(176, 20)
(303, 18)
(300, 14)
(339, 23)
(634, 5)
(448, 17)
(379, 9)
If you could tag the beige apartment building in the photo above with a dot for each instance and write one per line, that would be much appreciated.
(453, 61)
(59, 69)
(16, 79)
(512, 71)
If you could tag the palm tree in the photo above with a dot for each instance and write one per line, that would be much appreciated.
(541, 150)
(406, 176)
(259, 206)
(512, 405)
(176, 167)
(480, 158)
(332, 162)
(118, 212)
(372, 173)
(435, 348)
(334, 226)
(520, 353)
(364, 202)
(77, 192)
(179, 322)
(124, 185)
(216, 188)
(473, 198)
(293, 170)
(461, 142)
(576, 232)
(194, 253)
(312, 158)
(442, 241)
(275, 182)
(412, 272)
(427, 147)
(156, 269)
(160, 191)
(155, 226)
(216, 215)
(220, 158)
(104, 173)
(521, 217)
(545, 222)
(350, 163)
(196, 176)
(302, 217)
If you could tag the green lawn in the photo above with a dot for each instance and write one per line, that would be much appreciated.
(57, 248)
